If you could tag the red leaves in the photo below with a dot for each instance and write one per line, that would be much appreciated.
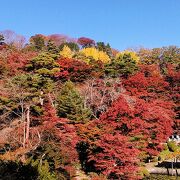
(63, 132)
(118, 159)
(146, 84)
(173, 76)
(74, 70)
(60, 126)
(146, 125)
(16, 61)
(110, 148)
(154, 105)
(86, 42)
(58, 39)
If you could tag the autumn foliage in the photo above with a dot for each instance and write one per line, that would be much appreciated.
(74, 70)
(69, 105)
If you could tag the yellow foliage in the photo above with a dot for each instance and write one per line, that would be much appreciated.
(132, 54)
(66, 52)
(95, 54)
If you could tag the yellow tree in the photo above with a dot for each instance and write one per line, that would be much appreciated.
(95, 54)
(66, 52)
(131, 54)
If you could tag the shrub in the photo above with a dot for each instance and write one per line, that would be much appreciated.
(172, 146)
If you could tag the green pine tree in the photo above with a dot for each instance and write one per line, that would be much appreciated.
(51, 47)
(105, 48)
(44, 64)
(71, 105)
(37, 42)
(123, 65)
(73, 46)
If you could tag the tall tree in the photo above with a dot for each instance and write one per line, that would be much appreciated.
(124, 64)
(51, 47)
(37, 41)
(103, 47)
(66, 52)
(72, 45)
(13, 39)
(71, 105)
(44, 64)
(86, 42)
(73, 70)
(91, 53)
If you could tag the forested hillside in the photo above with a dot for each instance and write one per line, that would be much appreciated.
(69, 105)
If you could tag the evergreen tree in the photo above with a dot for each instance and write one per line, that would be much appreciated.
(51, 47)
(73, 46)
(105, 48)
(71, 105)
(125, 63)
(44, 64)
(37, 41)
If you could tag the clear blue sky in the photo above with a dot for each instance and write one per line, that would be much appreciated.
(122, 23)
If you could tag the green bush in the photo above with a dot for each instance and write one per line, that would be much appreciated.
(144, 172)
(172, 146)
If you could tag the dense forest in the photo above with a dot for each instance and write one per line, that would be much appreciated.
(72, 105)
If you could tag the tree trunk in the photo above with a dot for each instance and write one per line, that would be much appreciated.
(28, 124)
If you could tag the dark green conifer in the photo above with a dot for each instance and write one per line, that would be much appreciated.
(44, 64)
(51, 47)
(71, 105)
